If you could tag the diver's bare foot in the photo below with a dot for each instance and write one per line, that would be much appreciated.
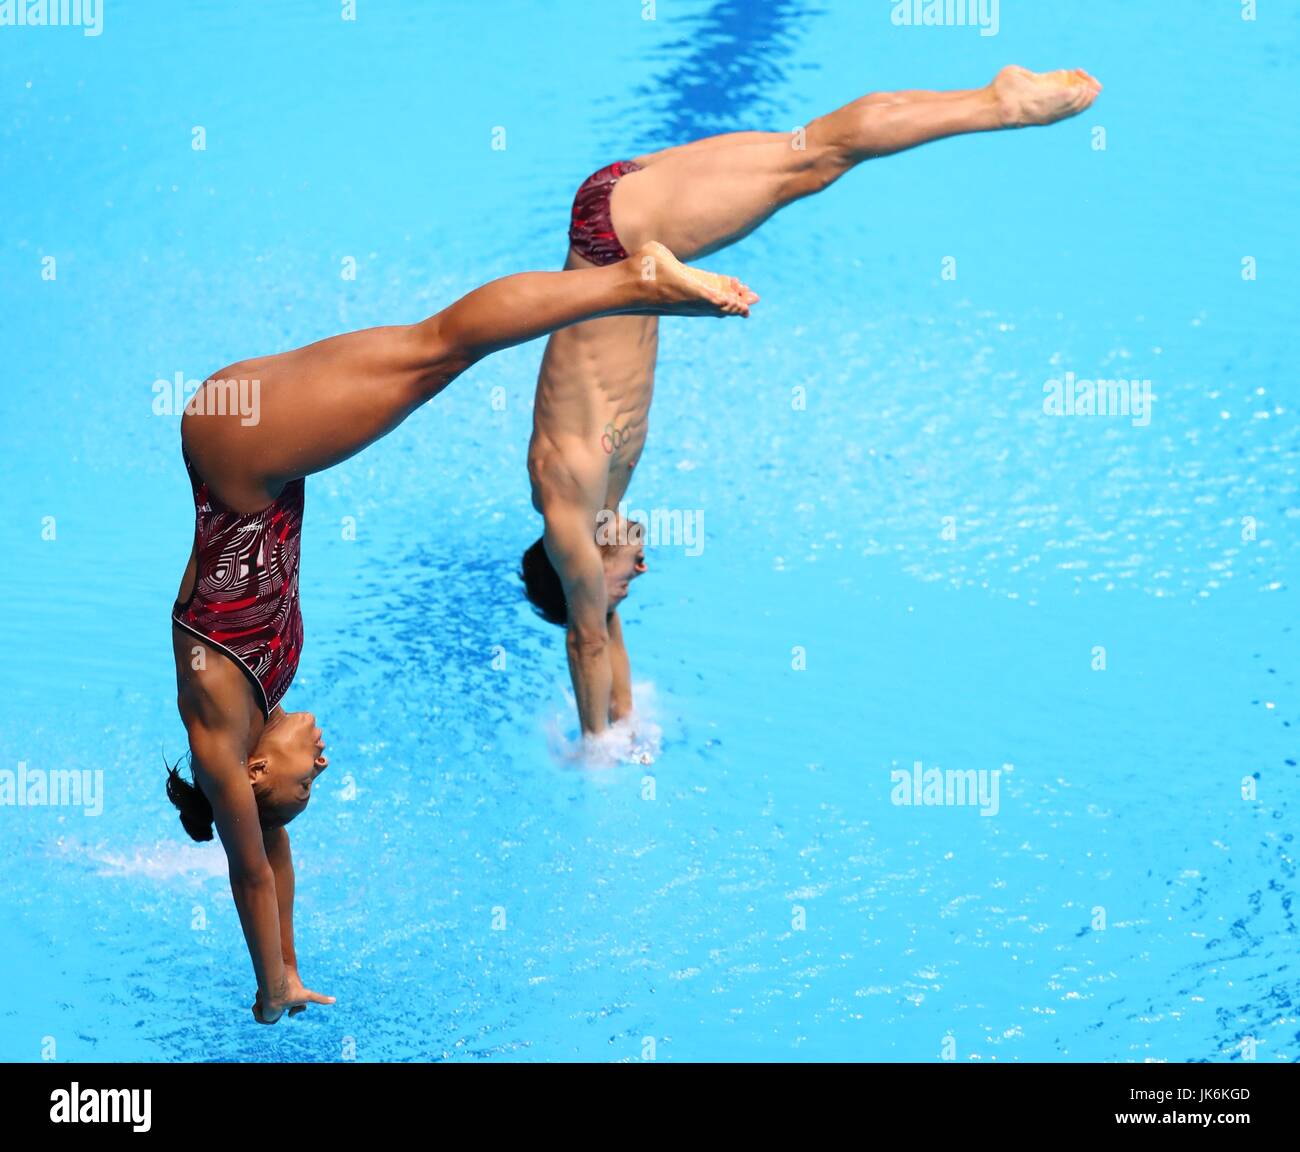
(1028, 98)
(672, 288)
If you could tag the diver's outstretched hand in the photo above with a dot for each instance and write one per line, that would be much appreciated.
(294, 997)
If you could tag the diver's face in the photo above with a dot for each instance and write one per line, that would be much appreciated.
(284, 765)
(624, 560)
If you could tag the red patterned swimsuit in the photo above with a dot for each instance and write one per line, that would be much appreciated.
(245, 597)
(591, 228)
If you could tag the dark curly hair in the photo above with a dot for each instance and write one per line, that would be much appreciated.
(542, 585)
(196, 812)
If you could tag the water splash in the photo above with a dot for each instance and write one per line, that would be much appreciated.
(635, 740)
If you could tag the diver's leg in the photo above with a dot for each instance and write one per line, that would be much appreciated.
(703, 196)
(318, 405)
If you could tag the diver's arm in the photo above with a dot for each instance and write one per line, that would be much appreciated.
(296, 995)
(620, 669)
(221, 771)
(570, 543)
(587, 645)
(280, 857)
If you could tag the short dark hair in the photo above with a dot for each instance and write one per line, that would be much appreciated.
(542, 585)
(196, 812)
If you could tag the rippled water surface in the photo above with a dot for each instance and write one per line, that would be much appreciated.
(943, 558)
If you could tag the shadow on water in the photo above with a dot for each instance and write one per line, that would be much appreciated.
(722, 71)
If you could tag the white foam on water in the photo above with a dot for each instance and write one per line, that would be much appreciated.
(165, 860)
(636, 740)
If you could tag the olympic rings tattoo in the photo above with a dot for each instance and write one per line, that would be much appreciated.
(614, 439)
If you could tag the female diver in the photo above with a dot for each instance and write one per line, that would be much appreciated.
(237, 630)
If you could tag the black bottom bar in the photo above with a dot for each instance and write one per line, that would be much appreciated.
(218, 1100)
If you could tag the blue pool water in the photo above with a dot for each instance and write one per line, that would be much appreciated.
(944, 555)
